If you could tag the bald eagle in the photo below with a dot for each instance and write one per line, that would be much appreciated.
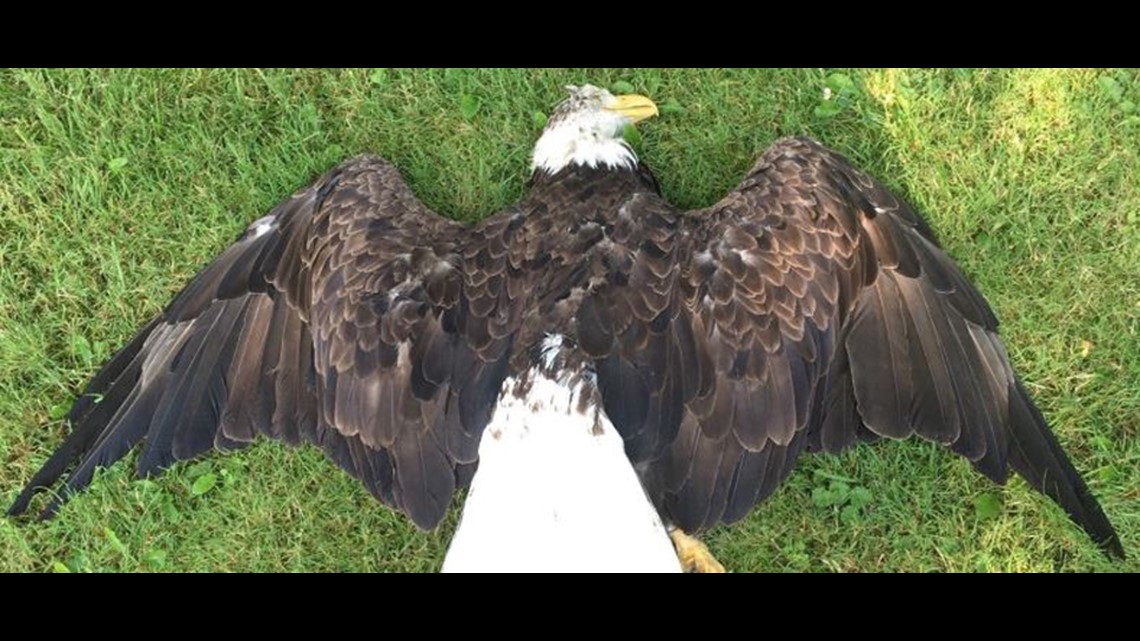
(608, 374)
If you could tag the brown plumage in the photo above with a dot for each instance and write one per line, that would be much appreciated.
(808, 309)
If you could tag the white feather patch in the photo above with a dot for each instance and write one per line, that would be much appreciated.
(589, 140)
(549, 350)
(261, 226)
(555, 492)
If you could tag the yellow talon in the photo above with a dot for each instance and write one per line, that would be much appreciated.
(694, 555)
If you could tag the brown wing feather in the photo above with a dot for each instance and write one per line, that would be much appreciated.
(308, 333)
(812, 308)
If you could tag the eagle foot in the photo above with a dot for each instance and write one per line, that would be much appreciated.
(694, 555)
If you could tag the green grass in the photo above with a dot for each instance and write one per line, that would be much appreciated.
(116, 186)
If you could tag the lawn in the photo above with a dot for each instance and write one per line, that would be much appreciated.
(116, 186)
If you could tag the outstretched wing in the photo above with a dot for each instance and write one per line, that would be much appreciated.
(345, 318)
(813, 309)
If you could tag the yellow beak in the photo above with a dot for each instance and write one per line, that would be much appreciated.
(633, 106)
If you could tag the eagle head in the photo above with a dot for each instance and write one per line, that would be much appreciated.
(586, 128)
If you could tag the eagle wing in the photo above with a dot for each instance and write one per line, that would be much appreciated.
(345, 318)
(810, 308)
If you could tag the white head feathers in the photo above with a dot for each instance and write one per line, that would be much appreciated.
(586, 129)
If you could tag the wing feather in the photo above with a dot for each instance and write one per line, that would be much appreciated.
(301, 331)
(816, 310)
